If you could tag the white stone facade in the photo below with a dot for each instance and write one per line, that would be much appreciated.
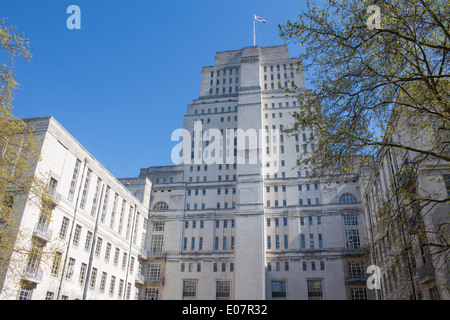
(260, 229)
(92, 242)
(254, 229)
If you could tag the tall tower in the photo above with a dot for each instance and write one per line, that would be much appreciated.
(233, 211)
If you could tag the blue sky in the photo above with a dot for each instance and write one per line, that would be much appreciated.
(120, 85)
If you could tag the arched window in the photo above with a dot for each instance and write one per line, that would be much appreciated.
(347, 198)
(161, 206)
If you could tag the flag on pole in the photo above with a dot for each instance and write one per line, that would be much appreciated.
(259, 19)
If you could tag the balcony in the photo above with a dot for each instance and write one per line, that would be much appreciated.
(356, 279)
(155, 281)
(148, 255)
(53, 198)
(426, 273)
(42, 232)
(32, 275)
(140, 279)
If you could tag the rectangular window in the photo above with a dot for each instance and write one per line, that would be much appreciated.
(56, 264)
(93, 278)
(302, 241)
(223, 290)
(278, 290)
(352, 239)
(98, 247)
(70, 267)
(189, 289)
(350, 220)
(82, 277)
(105, 205)
(76, 236)
(107, 251)
(73, 183)
(85, 189)
(447, 183)
(358, 293)
(94, 200)
(112, 285)
(116, 256)
(87, 244)
(113, 211)
(315, 290)
(63, 230)
(103, 282)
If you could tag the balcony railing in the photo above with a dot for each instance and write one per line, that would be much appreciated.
(42, 231)
(356, 278)
(33, 275)
(144, 254)
(426, 272)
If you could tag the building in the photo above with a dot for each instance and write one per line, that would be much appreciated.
(409, 190)
(236, 219)
(89, 248)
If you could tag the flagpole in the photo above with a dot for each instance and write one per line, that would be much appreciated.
(254, 20)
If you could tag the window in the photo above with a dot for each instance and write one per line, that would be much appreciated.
(70, 267)
(352, 238)
(350, 220)
(315, 290)
(112, 284)
(85, 189)
(161, 206)
(223, 290)
(189, 289)
(76, 236)
(87, 244)
(94, 200)
(358, 293)
(278, 290)
(356, 270)
(447, 183)
(73, 183)
(347, 198)
(156, 245)
(56, 264)
(82, 273)
(64, 225)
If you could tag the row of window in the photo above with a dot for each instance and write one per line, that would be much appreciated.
(284, 266)
(224, 223)
(202, 206)
(346, 198)
(219, 178)
(105, 201)
(103, 279)
(189, 267)
(314, 290)
(223, 289)
(225, 72)
(220, 243)
(278, 67)
(215, 110)
(230, 90)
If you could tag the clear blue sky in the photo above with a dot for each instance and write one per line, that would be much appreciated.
(120, 85)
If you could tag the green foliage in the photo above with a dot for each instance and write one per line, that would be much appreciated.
(359, 74)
